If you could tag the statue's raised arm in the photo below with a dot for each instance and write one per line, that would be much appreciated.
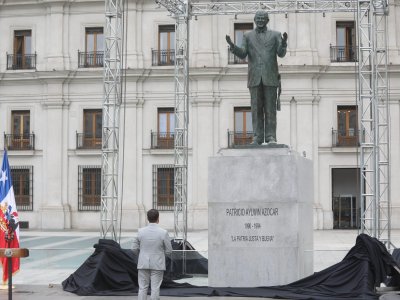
(229, 41)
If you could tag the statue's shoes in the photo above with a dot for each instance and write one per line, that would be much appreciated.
(271, 141)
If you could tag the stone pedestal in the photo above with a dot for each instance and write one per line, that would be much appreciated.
(260, 220)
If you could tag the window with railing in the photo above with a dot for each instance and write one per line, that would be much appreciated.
(20, 137)
(163, 187)
(92, 130)
(89, 188)
(19, 141)
(93, 56)
(347, 133)
(164, 137)
(345, 49)
(22, 179)
(240, 30)
(22, 56)
(243, 128)
(165, 54)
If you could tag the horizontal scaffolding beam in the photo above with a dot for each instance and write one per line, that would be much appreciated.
(272, 6)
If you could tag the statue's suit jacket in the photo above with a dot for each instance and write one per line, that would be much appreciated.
(261, 50)
(152, 243)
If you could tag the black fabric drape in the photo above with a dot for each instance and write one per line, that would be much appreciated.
(111, 270)
(394, 280)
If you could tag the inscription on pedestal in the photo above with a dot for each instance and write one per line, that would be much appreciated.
(252, 225)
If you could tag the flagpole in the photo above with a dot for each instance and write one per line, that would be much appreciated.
(9, 236)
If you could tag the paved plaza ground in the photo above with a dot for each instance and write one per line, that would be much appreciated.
(55, 255)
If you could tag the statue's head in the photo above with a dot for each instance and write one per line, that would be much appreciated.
(261, 18)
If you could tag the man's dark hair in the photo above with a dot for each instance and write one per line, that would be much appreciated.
(152, 215)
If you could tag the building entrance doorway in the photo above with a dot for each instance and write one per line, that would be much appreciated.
(345, 198)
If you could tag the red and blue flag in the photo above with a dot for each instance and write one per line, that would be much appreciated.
(9, 227)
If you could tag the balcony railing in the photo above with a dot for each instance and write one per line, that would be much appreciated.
(343, 54)
(237, 138)
(87, 142)
(234, 60)
(24, 202)
(94, 59)
(162, 140)
(163, 57)
(21, 61)
(19, 141)
(345, 138)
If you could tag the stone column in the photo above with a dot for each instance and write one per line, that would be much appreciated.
(393, 33)
(54, 39)
(293, 123)
(130, 164)
(203, 129)
(284, 122)
(303, 39)
(54, 179)
(203, 30)
(134, 42)
(318, 213)
(304, 126)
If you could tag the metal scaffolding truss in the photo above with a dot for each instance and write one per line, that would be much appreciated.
(111, 116)
(181, 130)
(372, 97)
(373, 105)
(273, 7)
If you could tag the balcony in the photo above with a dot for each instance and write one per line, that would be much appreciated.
(239, 138)
(87, 142)
(343, 54)
(21, 61)
(94, 59)
(163, 57)
(345, 138)
(234, 60)
(162, 140)
(19, 141)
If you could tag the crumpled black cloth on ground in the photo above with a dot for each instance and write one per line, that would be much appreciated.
(394, 281)
(365, 266)
(111, 270)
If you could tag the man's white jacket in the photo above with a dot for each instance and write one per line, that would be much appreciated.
(152, 243)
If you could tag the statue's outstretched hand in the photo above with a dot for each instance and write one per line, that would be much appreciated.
(284, 37)
(229, 41)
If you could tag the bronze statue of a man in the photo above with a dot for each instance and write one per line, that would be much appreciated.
(262, 46)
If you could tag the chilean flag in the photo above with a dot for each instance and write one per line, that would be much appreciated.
(9, 227)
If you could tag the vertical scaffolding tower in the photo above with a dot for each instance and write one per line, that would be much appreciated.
(181, 125)
(373, 105)
(111, 116)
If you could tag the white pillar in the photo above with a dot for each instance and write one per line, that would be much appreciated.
(54, 164)
(54, 39)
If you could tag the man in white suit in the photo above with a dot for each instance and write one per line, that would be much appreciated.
(152, 243)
